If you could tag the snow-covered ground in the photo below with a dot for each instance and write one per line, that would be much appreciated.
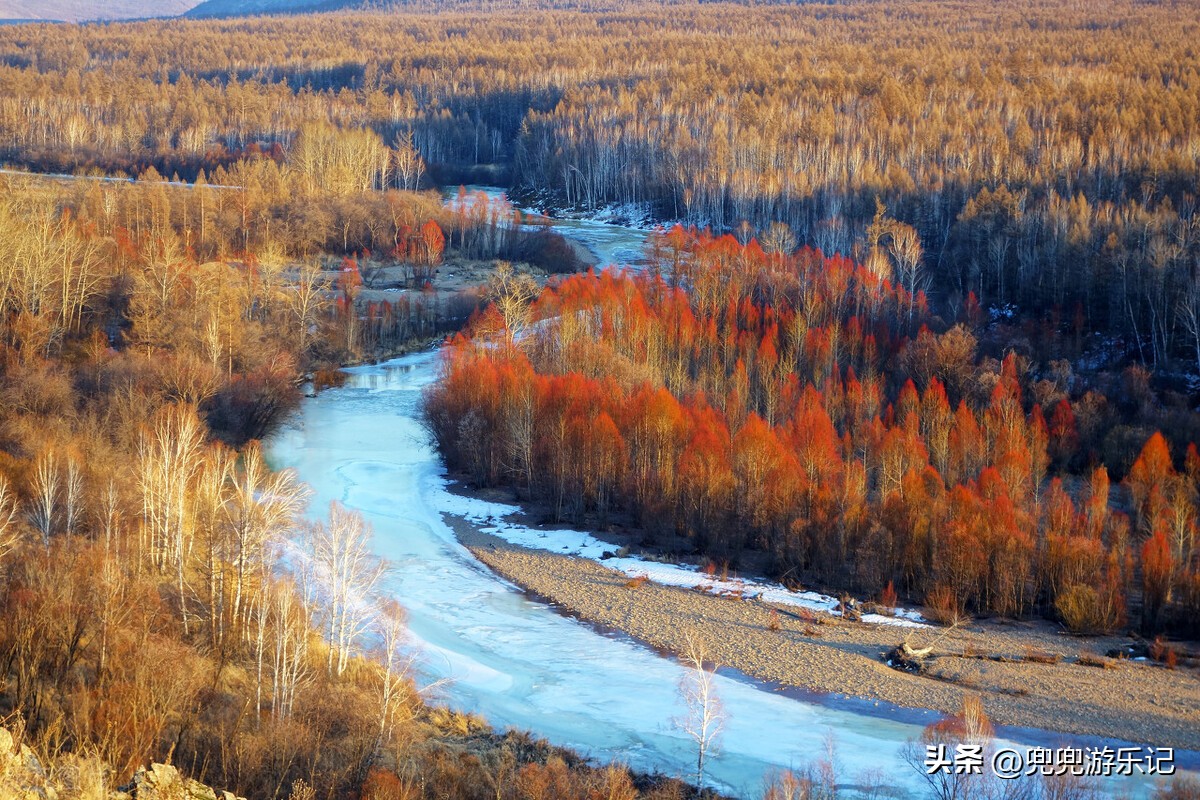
(493, 519)
(638, 216)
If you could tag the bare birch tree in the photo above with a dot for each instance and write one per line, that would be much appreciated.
(905, 249)
(211, 514)
(108, 515)
(409, 164)
(263, 507)
(112, 610)
(73, 495)
(307, 299)
(346, 573)
(392, 628)
(10, 531)
(290, 668)
(513, 294)
(705, 715)
(778, 239)
(168, 458)
(1189, 315)
(46, 482)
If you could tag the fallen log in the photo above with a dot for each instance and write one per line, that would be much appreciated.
(906, 658)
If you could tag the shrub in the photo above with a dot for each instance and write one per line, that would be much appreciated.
(1092, 660)
(808, 615)
(1084, 610)
(788, 785)
(637, 582)
(887, 597)
(1040, 656)
(381, 784)
(327, 378)
(1182, 787)
(1163, 653)
(943, 607)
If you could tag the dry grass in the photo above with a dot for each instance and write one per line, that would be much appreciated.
(1093, 660)
(330, 378)
(1035, 656)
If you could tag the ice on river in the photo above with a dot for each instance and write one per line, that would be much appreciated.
(518, 662)
(613, 245)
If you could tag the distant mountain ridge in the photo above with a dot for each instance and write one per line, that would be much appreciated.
(86, 10)
(228, 8)
(92, 10)
(99, 10)
(238, 8)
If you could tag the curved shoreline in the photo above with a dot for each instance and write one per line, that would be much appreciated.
(838, 659)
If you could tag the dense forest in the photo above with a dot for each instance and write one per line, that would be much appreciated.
(1045, 152)
(801, 405)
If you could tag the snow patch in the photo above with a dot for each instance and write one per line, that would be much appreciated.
(1005, 313)
(638, 216)
(491, 518)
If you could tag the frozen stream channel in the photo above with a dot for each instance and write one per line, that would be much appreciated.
(518, 662)
(611, 244)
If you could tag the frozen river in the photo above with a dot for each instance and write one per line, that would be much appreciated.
(517, 661)
(520, 663)
(611, 244)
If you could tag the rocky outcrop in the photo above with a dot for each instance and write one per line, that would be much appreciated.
(163, 782)
(23, 776)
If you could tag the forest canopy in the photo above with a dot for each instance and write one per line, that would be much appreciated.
(1046, 153)
(733, 401)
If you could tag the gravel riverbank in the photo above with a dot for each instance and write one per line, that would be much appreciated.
(1133, 701)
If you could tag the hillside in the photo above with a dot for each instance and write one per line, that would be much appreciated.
(85, 10)
(233, 8)
(236, 8)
